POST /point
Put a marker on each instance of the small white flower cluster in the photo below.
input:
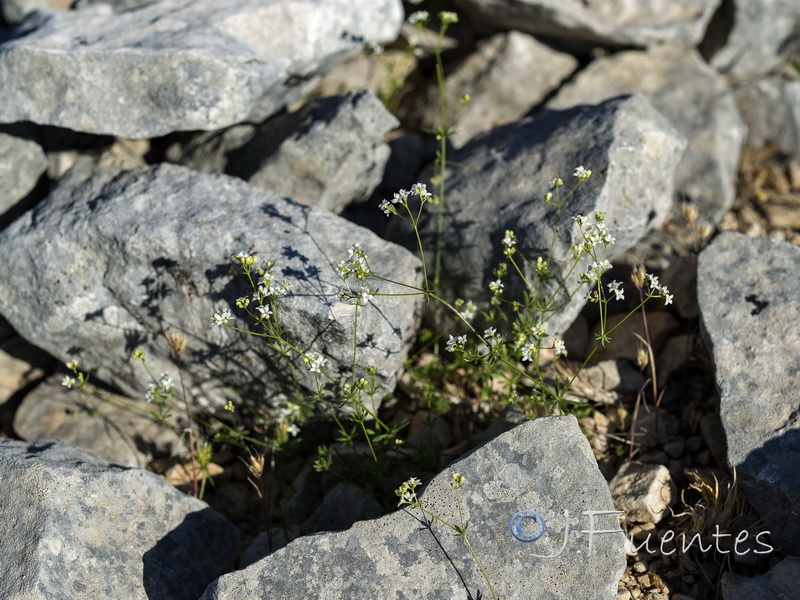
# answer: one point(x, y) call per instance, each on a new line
point(614, 288)
point(509, 241)
point(419, 18)
point(69, 382)
point(356, 266)
point(492, 338)
point(160, 389)
point(456, 343)
point(496, 287)
point(532, 341)
point(221, 317)
point(315, 362)
point(467, 309)
point(268, 287)
point(401, 197)
point(246, 260)
point(656, 290)
point(407, 492)
point(286, 415)
point(581, 173)
point(593, 234)
point(559, 347)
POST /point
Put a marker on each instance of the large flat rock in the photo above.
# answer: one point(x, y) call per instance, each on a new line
point(114, 258)
point(632, 152)
point(544, 465)
point(750, 308)
point(74, 526)
point(694, 98)
point(616, 22)
point(179, 65)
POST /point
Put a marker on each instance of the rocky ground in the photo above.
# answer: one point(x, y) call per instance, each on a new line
point(126, 198)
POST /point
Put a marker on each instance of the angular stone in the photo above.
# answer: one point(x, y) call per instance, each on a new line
point(606, 382)
point(619, 23)
point(779, 583)
point(22, 163)
point(76, 526)
point(491, 76)
point(328, 153)
point(695, 100)
point(632, 152)
point(643, 492)
point(749, 306)
point(179, 65)
point(124, 256)
point(750, 38)
point(771, 109)
point(544, 465)
point(121, 434)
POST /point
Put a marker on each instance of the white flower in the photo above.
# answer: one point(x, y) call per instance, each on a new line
point(314, 362)
point(386, 207)
point(539, 331)
point(582, 173)
point(400, 197)
point(667, 296)
point(293, 430)
point(366, 293)
point(421, 190)
point(600, 267)
point(419, 17)
point(580, 220)
point(69, 382)
point(560, 348)
point(165, 384)
point(221, 317)
point(614, 287)
point(528, 350)
point(456, 343)
point(496, 286)
point(510, 239)
point(264, 311)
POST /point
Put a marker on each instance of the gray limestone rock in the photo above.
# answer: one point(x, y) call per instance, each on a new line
point(779, 583)
point(694, 99)
point(22, 163)
point(75, 526)
point(749, 308)
point(544, 466)
point(180, 65)
point(122, 434)
point(506, 75)
point(615, 22)
point(329, 153)
point(115, 258)
point(750, 38)
point(771, 109)
point(632, 152)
